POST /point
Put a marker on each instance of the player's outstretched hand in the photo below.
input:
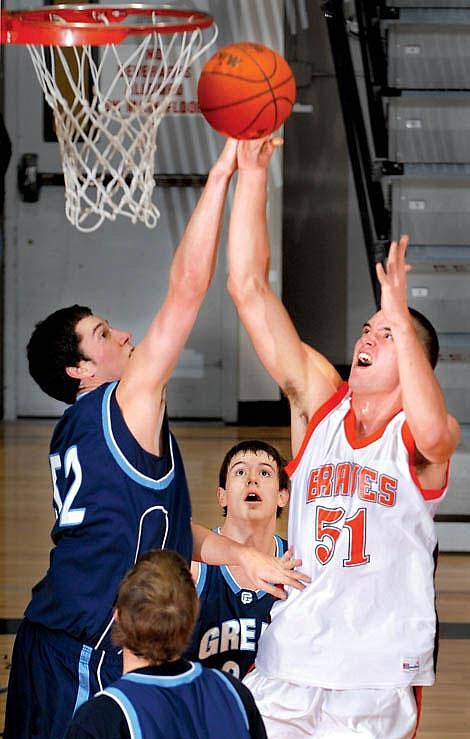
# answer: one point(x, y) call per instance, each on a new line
point(271, 573)
point(256, 153)
point(226, 163)
point(393, 281)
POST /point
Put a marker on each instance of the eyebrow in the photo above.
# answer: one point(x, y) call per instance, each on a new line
point(242, 461)
point(382, 328)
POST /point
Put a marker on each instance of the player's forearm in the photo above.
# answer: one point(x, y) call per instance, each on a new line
point(248, 244)
point(195, 259)
point(423, 400)
point(214, 549)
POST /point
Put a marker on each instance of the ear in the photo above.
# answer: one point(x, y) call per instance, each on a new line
point(116, 614)
point(283, 498)
point(82, 370)
point(222, 497)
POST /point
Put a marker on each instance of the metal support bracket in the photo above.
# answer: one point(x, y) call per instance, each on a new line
point(30, 180)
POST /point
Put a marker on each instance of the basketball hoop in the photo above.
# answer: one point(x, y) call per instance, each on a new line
point(107, 133)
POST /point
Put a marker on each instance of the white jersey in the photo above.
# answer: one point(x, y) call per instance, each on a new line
point(364, 530)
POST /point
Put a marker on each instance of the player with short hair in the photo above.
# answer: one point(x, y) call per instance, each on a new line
point(118, 481)
point(161, 694)
point(253, 490)
point(347, 656)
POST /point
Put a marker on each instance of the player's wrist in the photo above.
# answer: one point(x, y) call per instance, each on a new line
point(402, 325)
point(254, 176)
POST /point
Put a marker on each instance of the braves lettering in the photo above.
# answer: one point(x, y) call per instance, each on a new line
point(346, 478)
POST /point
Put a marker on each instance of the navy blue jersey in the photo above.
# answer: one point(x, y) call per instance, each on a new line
point(113, 501)
point(231, 619)
point(177, 700)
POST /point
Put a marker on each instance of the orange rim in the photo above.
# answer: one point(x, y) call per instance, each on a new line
point(95, 25)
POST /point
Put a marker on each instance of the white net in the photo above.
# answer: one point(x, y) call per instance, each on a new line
point(108, 102)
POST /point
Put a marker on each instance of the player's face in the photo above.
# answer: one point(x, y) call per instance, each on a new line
point(374, 366)
point(107, 350)
point(252, 488)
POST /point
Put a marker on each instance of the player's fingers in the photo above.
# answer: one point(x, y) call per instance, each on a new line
point(294, 578)
point(269, 146)
point(401, 252)
point(403, 244)
point(276, 591)
point(231, 144)
point(292, 563)
point(381, 274)
point(287, 556)
point(392, 258)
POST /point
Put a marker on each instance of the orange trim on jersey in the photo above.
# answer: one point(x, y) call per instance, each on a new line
point(318, 416)
point(410, 444)
point(359, 442)
point(418, 692)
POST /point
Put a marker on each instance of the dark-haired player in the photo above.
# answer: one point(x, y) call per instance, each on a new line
point(118, 479)
point(347, 656)
point(253, 490)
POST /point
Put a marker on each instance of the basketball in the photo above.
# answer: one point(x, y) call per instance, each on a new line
point(246, 91)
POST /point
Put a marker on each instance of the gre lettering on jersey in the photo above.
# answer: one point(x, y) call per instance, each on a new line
point(67, 515)
point(236, 634)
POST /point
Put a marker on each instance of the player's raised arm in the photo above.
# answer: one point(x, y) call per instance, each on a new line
point(304, 375)
point(140, 390)
point(435, 432)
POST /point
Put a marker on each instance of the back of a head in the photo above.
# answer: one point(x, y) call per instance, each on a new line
point(53, 346)
point(427, 335)
point(157, 607)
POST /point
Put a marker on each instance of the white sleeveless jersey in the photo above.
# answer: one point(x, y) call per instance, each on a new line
point(364, 530)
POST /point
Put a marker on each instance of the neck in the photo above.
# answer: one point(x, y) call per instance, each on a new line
point(372, 412)
point(257, 534)
point(85, 387)
point(132, 662)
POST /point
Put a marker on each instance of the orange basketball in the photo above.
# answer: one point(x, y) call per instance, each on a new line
point(246, 91)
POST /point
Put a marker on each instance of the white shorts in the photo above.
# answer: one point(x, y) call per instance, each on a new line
point(292, 711)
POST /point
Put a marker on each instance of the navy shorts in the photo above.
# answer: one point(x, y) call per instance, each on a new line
point(52, 674)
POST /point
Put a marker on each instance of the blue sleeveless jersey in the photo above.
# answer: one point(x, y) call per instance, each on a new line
point(231, 619)
point(191, 704)
point(113, 501)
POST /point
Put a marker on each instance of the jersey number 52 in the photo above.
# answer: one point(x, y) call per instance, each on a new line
point(67, 515)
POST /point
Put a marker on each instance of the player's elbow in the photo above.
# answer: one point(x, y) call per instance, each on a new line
point(243, 291)
point(234, 289)
point(440, 443)
point(190, 283)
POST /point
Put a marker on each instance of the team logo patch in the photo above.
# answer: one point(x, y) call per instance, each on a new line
point(410, 664)
point(246, 597)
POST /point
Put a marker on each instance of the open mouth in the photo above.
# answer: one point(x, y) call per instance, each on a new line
point(252, 498)
point(364, 359)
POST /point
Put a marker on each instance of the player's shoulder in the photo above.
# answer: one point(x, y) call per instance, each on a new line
point(281, 545)
point(99, 717)
point(79, 418)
